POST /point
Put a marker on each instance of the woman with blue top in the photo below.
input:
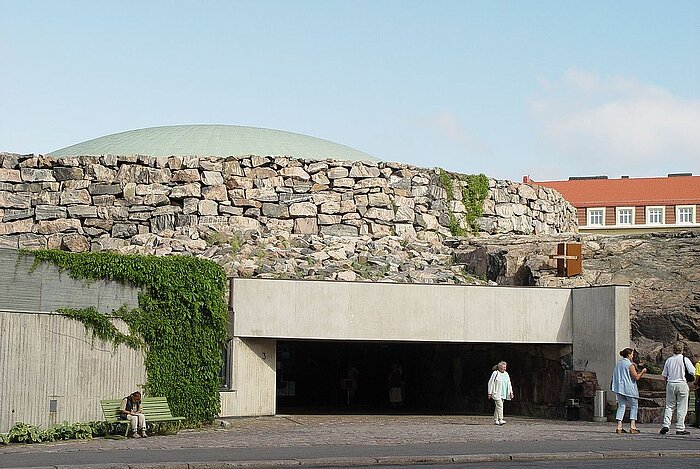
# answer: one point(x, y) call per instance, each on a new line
point(500, 389)
point(624, 385)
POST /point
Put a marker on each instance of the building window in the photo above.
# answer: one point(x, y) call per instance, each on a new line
point(596, 216)
point(685, 214)
point(655, 215)
point(625, 215)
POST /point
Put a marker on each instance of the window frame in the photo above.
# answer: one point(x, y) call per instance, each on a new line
point(693, 216)
point(589, 212)
point(648, 210)
point(617, 216)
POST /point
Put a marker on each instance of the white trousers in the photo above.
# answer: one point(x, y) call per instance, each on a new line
point(498, 413)
point(138, 422)
point(676, 399)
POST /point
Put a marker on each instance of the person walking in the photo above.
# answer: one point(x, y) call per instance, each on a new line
point(624, 385)
point(677, 390)
point(500, 389)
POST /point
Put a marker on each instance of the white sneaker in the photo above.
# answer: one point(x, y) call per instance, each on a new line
point(501, 422)
point(496, 422)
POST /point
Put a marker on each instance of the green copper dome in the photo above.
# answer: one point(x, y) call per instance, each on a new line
point(213, 140)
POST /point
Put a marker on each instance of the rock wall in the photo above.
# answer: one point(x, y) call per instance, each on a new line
point(110, 202)
point(661, 270)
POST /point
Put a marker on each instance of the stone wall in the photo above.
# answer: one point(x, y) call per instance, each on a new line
point(109, 202)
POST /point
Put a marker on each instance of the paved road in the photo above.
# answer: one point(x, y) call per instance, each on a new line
point(336, 441)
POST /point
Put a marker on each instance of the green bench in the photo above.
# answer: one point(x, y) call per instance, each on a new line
point(156, 409)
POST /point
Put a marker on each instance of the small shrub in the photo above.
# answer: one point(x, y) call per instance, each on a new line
point(82, 431)
point(100, 428)
point(24, 433)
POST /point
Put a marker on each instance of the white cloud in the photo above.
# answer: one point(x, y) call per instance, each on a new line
point(449, 127)
point(617, 124)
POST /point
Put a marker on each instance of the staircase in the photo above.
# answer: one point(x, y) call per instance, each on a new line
point(652, 400)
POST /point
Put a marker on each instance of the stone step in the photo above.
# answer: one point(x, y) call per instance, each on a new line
point(651, 403)
point(652, 394)
point(650, 415)
point(651, 383)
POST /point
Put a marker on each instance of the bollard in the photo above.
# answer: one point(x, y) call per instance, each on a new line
point(599, 407)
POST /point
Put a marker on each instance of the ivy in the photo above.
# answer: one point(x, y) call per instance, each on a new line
point(181, 321)
point(474, 193)
point(101, 327)
point(475, 188)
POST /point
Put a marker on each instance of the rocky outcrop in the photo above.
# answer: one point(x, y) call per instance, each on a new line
point(281, 217)
point(661, 270)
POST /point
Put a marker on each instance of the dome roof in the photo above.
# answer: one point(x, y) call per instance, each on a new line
point(213, 140)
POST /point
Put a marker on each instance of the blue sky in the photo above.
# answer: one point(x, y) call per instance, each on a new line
point(547, 88)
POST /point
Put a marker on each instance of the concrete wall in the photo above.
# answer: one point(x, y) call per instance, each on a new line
point(386, 311)
point(45, 357)
point(253, 387)
point(595, 320)
point(48, 289)
point(601, 324)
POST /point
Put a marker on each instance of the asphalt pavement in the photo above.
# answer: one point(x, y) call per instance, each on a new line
point(363, 441)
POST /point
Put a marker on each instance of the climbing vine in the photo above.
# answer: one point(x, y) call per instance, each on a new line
point(101, 327)
point(180, 322)
point(474, 192)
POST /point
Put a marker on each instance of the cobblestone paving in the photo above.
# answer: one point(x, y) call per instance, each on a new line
point(308, 430)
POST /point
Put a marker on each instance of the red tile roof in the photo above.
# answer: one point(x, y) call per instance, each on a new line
point(676, 190)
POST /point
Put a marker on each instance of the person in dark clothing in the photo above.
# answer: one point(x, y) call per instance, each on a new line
point(131, 410)
point(396, 385)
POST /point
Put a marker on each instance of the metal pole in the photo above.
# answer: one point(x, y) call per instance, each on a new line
point(599, 407)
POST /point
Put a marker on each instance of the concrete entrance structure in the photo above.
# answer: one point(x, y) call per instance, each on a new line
point(55, 371)
point(595, 321)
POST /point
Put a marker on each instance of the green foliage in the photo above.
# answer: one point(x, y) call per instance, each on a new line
point(24, 433)
point(101, 327)
point(474, 192)
point(455, 227)
point(100, 427)
point(165, 428)
point(181, 321)
point(446, 183)
point(218, 238)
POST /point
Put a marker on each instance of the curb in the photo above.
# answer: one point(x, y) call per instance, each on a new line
point(401, 460)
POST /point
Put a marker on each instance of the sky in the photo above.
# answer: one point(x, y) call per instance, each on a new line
point(549, 89)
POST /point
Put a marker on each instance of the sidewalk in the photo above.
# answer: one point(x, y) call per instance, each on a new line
point(354, 440)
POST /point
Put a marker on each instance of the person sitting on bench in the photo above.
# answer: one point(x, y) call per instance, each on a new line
point(131, 410)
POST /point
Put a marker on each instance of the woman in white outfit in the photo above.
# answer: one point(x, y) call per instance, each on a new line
point(500, 389)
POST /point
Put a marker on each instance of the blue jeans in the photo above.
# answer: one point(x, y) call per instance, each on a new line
point(623, 402)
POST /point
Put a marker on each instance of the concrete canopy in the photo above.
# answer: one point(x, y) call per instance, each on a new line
point(213, 140)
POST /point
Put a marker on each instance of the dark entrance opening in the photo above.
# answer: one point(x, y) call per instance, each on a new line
point(353, 376)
